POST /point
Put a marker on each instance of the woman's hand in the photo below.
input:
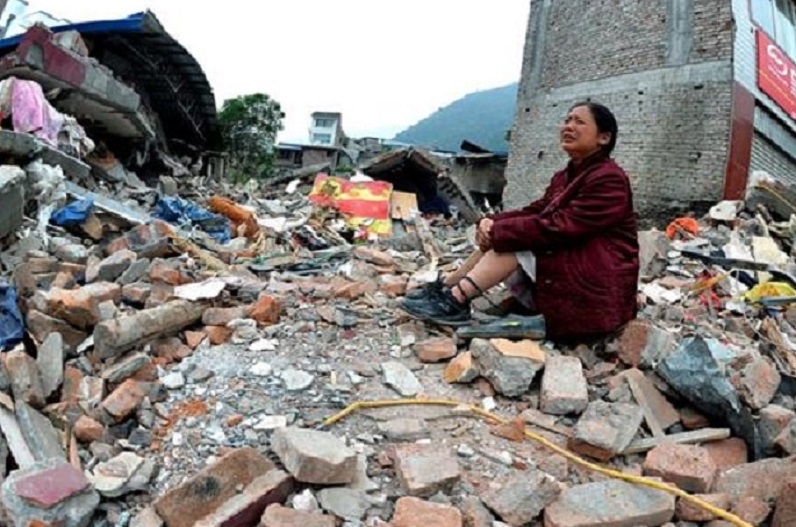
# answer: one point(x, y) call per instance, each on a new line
point(483, 235)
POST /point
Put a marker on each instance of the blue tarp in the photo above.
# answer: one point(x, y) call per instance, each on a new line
point(73, 214)
point(179, 211)
point(12, 325)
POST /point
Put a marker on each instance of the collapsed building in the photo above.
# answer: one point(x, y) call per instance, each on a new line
point(117, 101)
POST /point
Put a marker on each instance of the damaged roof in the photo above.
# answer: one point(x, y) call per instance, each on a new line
point(140, 52)
point(404, 158)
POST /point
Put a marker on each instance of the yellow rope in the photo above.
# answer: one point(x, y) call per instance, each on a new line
point(702, 504)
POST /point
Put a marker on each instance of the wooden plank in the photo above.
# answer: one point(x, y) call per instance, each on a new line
point(685, 438)
point(649, 414)
point(16, 441)
point(402, 204)
point(665, 414)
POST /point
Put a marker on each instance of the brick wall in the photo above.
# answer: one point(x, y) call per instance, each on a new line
point(665, 70)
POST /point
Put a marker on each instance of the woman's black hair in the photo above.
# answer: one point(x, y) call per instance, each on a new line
point(605, 120)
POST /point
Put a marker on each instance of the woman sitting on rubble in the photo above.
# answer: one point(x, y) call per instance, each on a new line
point(571, 256)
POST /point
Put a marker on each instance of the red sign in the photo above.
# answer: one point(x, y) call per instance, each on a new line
point(776, 74)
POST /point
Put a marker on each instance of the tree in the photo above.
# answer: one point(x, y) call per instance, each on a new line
point(249, 125)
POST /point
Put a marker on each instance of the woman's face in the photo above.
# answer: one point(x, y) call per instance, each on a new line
point(579, 135)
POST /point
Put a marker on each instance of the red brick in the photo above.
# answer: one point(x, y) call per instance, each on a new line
point(221, 316)
point(204, 493)
point(52, 486)
point(80, 307)
point(124, 399)
point(693, 420)
point(267, 310)
point(194, 338)
point(279, 516)
point(689, 467)
point(413, 512)
point(137, 293)
point(168, 272)
point(436, 350)
point(727, 453)
point(217, 335)
point(392, 285)
point(633, 341)
point(759, 382)
point(424, 470)
point(690, 512)
point(785, 511)
point(41, 325)
point(246, 509)
point(144, 238)
point(171, 349)
point(763, 479)
point(752, 510)
point(64, 281)
point(87, 430)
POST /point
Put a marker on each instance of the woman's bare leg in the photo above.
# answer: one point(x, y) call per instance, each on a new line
point(490, 270)
point(453, 278)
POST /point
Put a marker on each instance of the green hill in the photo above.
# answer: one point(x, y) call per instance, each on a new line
point(482, 117)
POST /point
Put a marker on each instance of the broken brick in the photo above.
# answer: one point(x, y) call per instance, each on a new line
point(424, 470)
point(785, 511)
point(201, 495)
point(689, 512)
point(279, 516)
point(461, 369)
point(689, 467)
point(194, 338)
point(80, 307)
point(217, 335)
point(266, 311)
point(752, 510)
point(414, 512)
point(51, 486)
point(221, 316)
point(87, 430)
point(564, 389)
point(124, 399)
point(727, 453)
point(436, 350)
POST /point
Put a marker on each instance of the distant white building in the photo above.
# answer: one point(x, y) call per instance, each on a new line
point(15, 18)
point(326, 129)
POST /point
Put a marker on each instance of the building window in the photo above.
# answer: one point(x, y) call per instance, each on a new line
point(322, 139)
point(324, 123)
point(778, 19)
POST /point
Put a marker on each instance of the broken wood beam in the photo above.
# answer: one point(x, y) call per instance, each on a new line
point(649, 414)
point(114, 337)
point(684, 438)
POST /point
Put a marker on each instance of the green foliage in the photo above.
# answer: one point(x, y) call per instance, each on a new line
point(481, 117)
point(249, 125)
point(344, 169)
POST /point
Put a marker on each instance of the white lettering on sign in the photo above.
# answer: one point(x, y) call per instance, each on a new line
point(780, 66)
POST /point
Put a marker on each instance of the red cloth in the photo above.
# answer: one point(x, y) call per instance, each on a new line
point(584, 234)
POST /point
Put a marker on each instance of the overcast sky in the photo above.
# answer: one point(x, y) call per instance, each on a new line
point(384, 65)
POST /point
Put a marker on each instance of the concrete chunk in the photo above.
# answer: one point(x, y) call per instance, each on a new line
point(564, 388)
point(314, 457)
point(424, 470)
point(610, 504)
point(510, 369)
point(49, 493)
point(606, 429)
point(518, 499)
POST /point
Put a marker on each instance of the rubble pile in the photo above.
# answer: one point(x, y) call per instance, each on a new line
point(171, 353)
